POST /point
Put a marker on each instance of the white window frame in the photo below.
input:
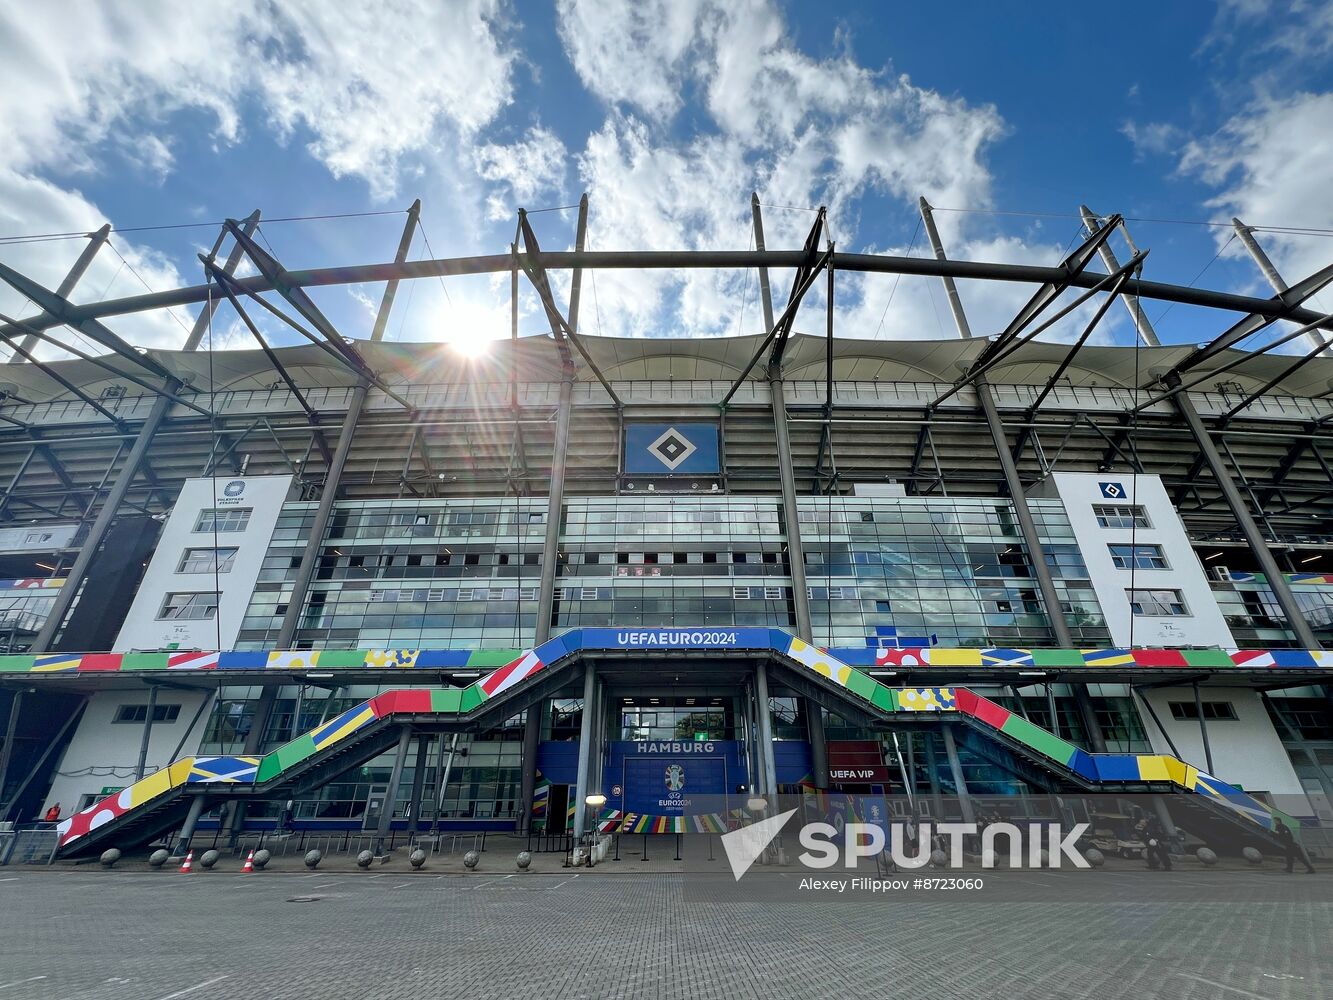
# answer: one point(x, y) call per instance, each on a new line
point(1135, 512)
point(172, 606)
point(215, 566)
point(1155, 551)
point(222, 520)
point(1139, 608)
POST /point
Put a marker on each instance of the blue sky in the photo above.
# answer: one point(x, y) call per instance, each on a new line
point(668, 115)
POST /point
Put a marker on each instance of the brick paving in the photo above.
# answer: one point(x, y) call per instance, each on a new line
point(86, 934)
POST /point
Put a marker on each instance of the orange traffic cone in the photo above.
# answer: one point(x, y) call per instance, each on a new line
point(249, 865)
point(188, 864)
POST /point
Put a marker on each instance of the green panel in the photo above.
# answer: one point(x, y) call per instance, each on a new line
point(883, 698)
point(15, 664)
point(342, 658)
point(861, 684)
point(285, 756)
point(144, 661)
point(493, 657)
point(1057, 658)
point(446, 700)
point(1018, 728)
point(1207, 658)
point(471, 696)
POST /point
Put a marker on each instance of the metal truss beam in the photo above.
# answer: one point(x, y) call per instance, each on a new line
point(96, 241)
point(60, 307)
point(532, 265)
point(685, 260)
point(811, 251)
point(55, 376)
point(1246, 236)
point(280, 282)
point(1136, 314)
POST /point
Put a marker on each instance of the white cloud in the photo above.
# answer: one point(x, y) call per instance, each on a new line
point(798, 130)
point(521, 171)
point(1273, 166)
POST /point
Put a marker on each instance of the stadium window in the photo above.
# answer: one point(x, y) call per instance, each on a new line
point(1137, 556)
point(207, 561)
point(1213, 711)
point(740, 593)
point(188, 607)
point(1157, 603)
point(220, 520)
point(772, 593)
point(139, 713)
point(1121, 516)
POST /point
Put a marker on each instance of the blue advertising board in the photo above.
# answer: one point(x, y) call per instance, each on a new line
point(672, 777)
point(671, 449)
point(682, 638)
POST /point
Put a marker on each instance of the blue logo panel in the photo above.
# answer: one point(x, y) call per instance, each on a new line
point(678, 638)
point(1113, 491)
point(671, 449)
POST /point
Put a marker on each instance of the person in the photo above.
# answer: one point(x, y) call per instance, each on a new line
point(1154, 839)
point(1291, 850)
point(53, 814)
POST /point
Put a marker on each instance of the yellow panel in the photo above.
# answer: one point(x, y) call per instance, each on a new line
point(1153, 768)
point(955, 657)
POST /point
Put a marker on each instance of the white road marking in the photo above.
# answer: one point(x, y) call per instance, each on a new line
point(12, 878)
point(196, 986)
point(20, 982)
point(1215, 985)
point(323, 885)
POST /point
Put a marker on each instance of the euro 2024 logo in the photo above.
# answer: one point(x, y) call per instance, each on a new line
point(675, 777)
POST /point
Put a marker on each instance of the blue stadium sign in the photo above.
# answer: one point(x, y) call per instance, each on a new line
point(676, 638)
point(671, 449)
point(1113, 491)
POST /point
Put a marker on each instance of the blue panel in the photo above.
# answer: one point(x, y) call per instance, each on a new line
point(671, 449)
point(443, 657)
point(550, 652)
point(1082, 764)
point(792, 760)
point(558, 761)
point(673, 786)
point(676, 638)
point(255, 660)
point(1293, 658)
point(1117, 767)
point(855, 657)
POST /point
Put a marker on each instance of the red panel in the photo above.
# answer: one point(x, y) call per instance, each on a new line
point(402, 702)
point(101, 661)
point(990, 713)
point(1159, 658)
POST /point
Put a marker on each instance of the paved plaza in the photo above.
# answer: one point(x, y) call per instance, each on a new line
point(86, 934)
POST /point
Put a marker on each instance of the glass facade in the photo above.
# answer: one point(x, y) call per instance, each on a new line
point(464, 573)
point(939, 571)
point(1256, 619)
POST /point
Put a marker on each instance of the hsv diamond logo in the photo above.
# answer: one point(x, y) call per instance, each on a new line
point(1113, 491)
point(672, 448)
point(744, 846)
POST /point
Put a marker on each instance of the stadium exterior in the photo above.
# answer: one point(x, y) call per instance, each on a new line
point(398, 586)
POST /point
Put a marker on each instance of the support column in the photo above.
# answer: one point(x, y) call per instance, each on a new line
point(766, 735)
point(532, 732)
point(1253, 536)
point(814, 715)
point(187, 828)
point(418, 784)
point(786, 474)
point(554, 508)
point(254, 744)
point(95, 243)
point(305, 572)
point(560, 449)
point(7, 751)
point(1314, 338)
point(147, 733)
point(1203, 729)
point(125, 478)
point(1136, 313)
point(959, 782)
point(442, 780)
point(585, 752)
point(1027, 526)
point(391, 797)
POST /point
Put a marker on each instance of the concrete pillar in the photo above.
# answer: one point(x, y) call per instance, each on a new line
point(147, 732)
point(814, 716)
point(187, 829)
point(554, 508)
point(959, 782)
point(766, 734)
point(418, 783)
point(532, 731)
point(7, 751)
point(581, 787)
point(391, 798)
point(1253, 536)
